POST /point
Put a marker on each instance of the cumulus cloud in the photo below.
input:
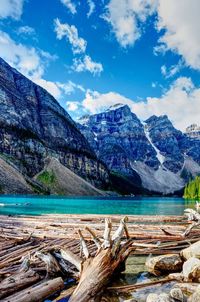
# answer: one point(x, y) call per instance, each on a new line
point(180, 22)
point(58, 89)
point(87, 64)
point(71, 33)
point(95, 102)
point(72, 105)
point(181, 103)
point(70, 5)
point(126, 18)
point(11, 8)
point(32, 63)
point(91, 8)
point(177, 22)
point(26, 59)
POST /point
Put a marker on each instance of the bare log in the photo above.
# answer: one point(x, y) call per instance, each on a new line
point(52, 265)
point(84, 250)
point(37, 293)
point(72, 258)
point(194, 217)
point(97, 271)
point(17, 282)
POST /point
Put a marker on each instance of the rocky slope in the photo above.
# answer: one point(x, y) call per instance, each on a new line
point(151, 154)
point(11, 180)
point(62, 181)
point(33, 126)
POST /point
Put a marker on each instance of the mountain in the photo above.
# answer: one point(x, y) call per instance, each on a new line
point(34, 126)
point(150, 155)
point(54, 176)
point(193, 131)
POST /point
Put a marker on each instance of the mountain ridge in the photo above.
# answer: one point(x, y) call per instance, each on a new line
point(34, 125)
point(163, 157)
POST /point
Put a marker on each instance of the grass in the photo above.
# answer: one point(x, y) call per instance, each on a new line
point(47, 178)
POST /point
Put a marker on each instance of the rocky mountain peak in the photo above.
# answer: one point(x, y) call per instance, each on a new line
point(34, 125)
point(193, 131)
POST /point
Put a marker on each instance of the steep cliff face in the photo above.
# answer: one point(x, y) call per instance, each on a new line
point(33, 125)
point(152, 153)
point(118, 137)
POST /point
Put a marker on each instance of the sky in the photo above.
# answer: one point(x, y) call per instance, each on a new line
point(91, 54)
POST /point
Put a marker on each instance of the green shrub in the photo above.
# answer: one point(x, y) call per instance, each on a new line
point(192, 189)
point(47, 177)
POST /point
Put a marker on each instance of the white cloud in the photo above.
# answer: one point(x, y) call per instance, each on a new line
point(72, 106)
point(91, 8)
point(71, 33)
point(26, 59)
point(51, 87)
point(126, 17)
point(26, 30)
point(96, 102)
point(180, 22)
point(32, 63)
point(87, 64)
point(70, 5)
point(11, 8)
point(181, 103)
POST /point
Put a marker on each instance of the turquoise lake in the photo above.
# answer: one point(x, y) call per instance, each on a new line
point(29, 205)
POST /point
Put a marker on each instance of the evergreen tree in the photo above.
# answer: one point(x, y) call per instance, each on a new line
point(192, 189)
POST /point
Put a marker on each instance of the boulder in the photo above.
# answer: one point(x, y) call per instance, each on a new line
point(164, 264)
point(177, 294)
point(191, 270)
point(191, 251)
point(195, 296)
point(152, 298)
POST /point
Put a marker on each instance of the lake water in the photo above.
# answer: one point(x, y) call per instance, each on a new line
point(31, 205)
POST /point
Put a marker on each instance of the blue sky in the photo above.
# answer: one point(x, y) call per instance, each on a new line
point(91, 54)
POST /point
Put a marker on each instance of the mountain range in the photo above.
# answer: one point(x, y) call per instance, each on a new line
point(47, 152)
point(152, 155)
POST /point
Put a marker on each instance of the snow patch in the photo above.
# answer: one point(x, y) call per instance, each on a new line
point(159, 156)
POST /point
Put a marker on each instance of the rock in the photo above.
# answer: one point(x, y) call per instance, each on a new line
point(191, 270)
point(176, 276)
point(152, 298)
point(57, 184)
point(192, 251)
point(176, 293)
point(195, 297)
point(34, 126)
point(164, 264)
point(164, 298)
point(152, 155)
point(188, 288)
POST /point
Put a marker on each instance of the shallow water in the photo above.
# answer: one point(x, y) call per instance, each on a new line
point(37, 205)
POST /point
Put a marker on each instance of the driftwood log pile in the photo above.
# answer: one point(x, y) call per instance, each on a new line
point(39, 254)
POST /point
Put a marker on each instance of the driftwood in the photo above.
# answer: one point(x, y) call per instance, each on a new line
point(37, 293)
point(50, 248)
point(194, 217)
point(97, 271)
point(17, 282)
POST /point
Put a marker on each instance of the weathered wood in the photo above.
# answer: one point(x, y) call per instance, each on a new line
point(38, 292)
point(56, 234)
point(98, 270)
point(17, 282)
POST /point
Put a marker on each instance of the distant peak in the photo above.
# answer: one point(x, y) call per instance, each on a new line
point(116, 106)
